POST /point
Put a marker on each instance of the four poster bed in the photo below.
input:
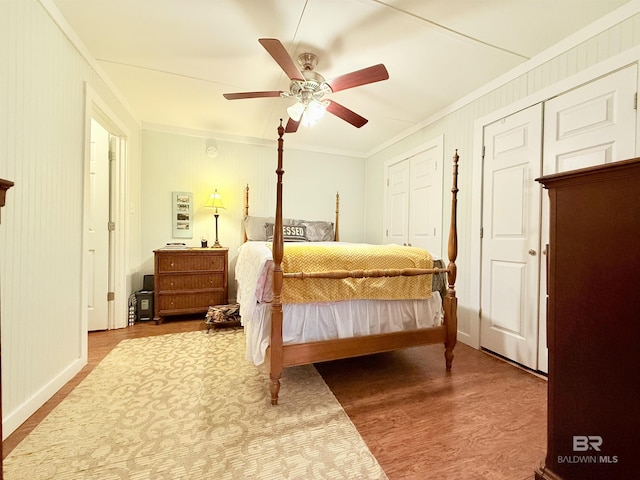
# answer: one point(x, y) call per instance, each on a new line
point(317, 299)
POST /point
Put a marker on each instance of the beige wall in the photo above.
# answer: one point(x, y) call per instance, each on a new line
point(42, 131)
point(177, 162)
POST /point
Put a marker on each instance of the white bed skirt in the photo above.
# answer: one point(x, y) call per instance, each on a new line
point(311, 322)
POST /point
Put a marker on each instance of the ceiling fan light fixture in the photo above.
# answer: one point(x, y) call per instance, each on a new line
point(307, 113)
point(295, 111)
point(313, 112)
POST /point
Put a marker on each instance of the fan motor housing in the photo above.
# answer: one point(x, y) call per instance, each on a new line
point(314, 85)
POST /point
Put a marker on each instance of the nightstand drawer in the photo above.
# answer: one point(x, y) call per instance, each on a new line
point(190, 282)
point(190, 263)
point(189, 302)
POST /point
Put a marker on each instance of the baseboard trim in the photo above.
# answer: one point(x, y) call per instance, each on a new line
point(21, 414)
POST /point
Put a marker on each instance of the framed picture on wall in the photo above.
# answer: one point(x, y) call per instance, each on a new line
point(182, 212)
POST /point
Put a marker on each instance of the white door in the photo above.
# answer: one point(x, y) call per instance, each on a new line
point(397, 200)
point(510, 236)
point(98, 231)
point(591, 125)
point(114, 160)
point(425, 202)
point(413, 201)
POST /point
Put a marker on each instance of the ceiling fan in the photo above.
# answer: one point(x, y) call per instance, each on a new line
point(309, 88)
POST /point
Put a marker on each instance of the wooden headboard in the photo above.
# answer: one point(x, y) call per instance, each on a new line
point(336, 236)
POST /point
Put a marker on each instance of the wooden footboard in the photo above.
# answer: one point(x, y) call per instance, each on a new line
point(322, 351)
point(280, 356)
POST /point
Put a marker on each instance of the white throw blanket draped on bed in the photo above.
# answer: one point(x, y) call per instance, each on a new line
point(318, 321)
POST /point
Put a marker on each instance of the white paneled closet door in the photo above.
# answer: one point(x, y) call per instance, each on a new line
point(397, 203)
point(425, 204)
point(510, 236)
point(591, 125)
point(413, 200)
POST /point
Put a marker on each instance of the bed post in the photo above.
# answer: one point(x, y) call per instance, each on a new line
point(246, 208)
point(336, 236)
point(450, 301)
point(275, 357)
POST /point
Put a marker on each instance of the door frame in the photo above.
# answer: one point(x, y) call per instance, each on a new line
point(628, 57)
point(97, 108)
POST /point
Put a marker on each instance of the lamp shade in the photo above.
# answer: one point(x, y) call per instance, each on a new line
point(308, 112)
point(295, 111)
point(214, 201)
point(312, 113)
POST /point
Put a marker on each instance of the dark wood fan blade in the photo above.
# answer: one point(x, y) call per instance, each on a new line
point(239, 96)
point(367, 75)
point(292, 126)
point(281, 56)
point(345, 114)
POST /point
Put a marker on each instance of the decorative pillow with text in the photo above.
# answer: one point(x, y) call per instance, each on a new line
point(291, 233)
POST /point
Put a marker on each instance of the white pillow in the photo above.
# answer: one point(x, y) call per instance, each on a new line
point(318, 231)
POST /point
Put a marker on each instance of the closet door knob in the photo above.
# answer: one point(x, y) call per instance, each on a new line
point(532, 252)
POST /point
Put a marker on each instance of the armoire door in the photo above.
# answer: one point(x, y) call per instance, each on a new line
point(510, 236)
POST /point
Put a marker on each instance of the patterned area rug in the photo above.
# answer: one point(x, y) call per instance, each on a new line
point(189, 406)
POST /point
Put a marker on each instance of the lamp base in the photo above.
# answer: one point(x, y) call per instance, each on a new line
point(216, 244)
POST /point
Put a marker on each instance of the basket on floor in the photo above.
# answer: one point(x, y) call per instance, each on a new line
point(223, 316)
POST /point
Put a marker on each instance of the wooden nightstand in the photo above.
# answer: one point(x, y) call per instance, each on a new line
point(188, 281)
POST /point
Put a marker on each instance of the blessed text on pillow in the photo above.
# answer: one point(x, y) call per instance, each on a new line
point(290, 233)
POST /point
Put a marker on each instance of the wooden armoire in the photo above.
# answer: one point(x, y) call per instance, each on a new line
point(593, 331)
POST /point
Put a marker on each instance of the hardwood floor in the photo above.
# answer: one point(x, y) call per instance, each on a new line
point(484, 420)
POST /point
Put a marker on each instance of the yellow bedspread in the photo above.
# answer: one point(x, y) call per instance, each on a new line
point(309, 257)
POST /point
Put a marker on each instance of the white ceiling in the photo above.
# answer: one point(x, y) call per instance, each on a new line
point(173, 59)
